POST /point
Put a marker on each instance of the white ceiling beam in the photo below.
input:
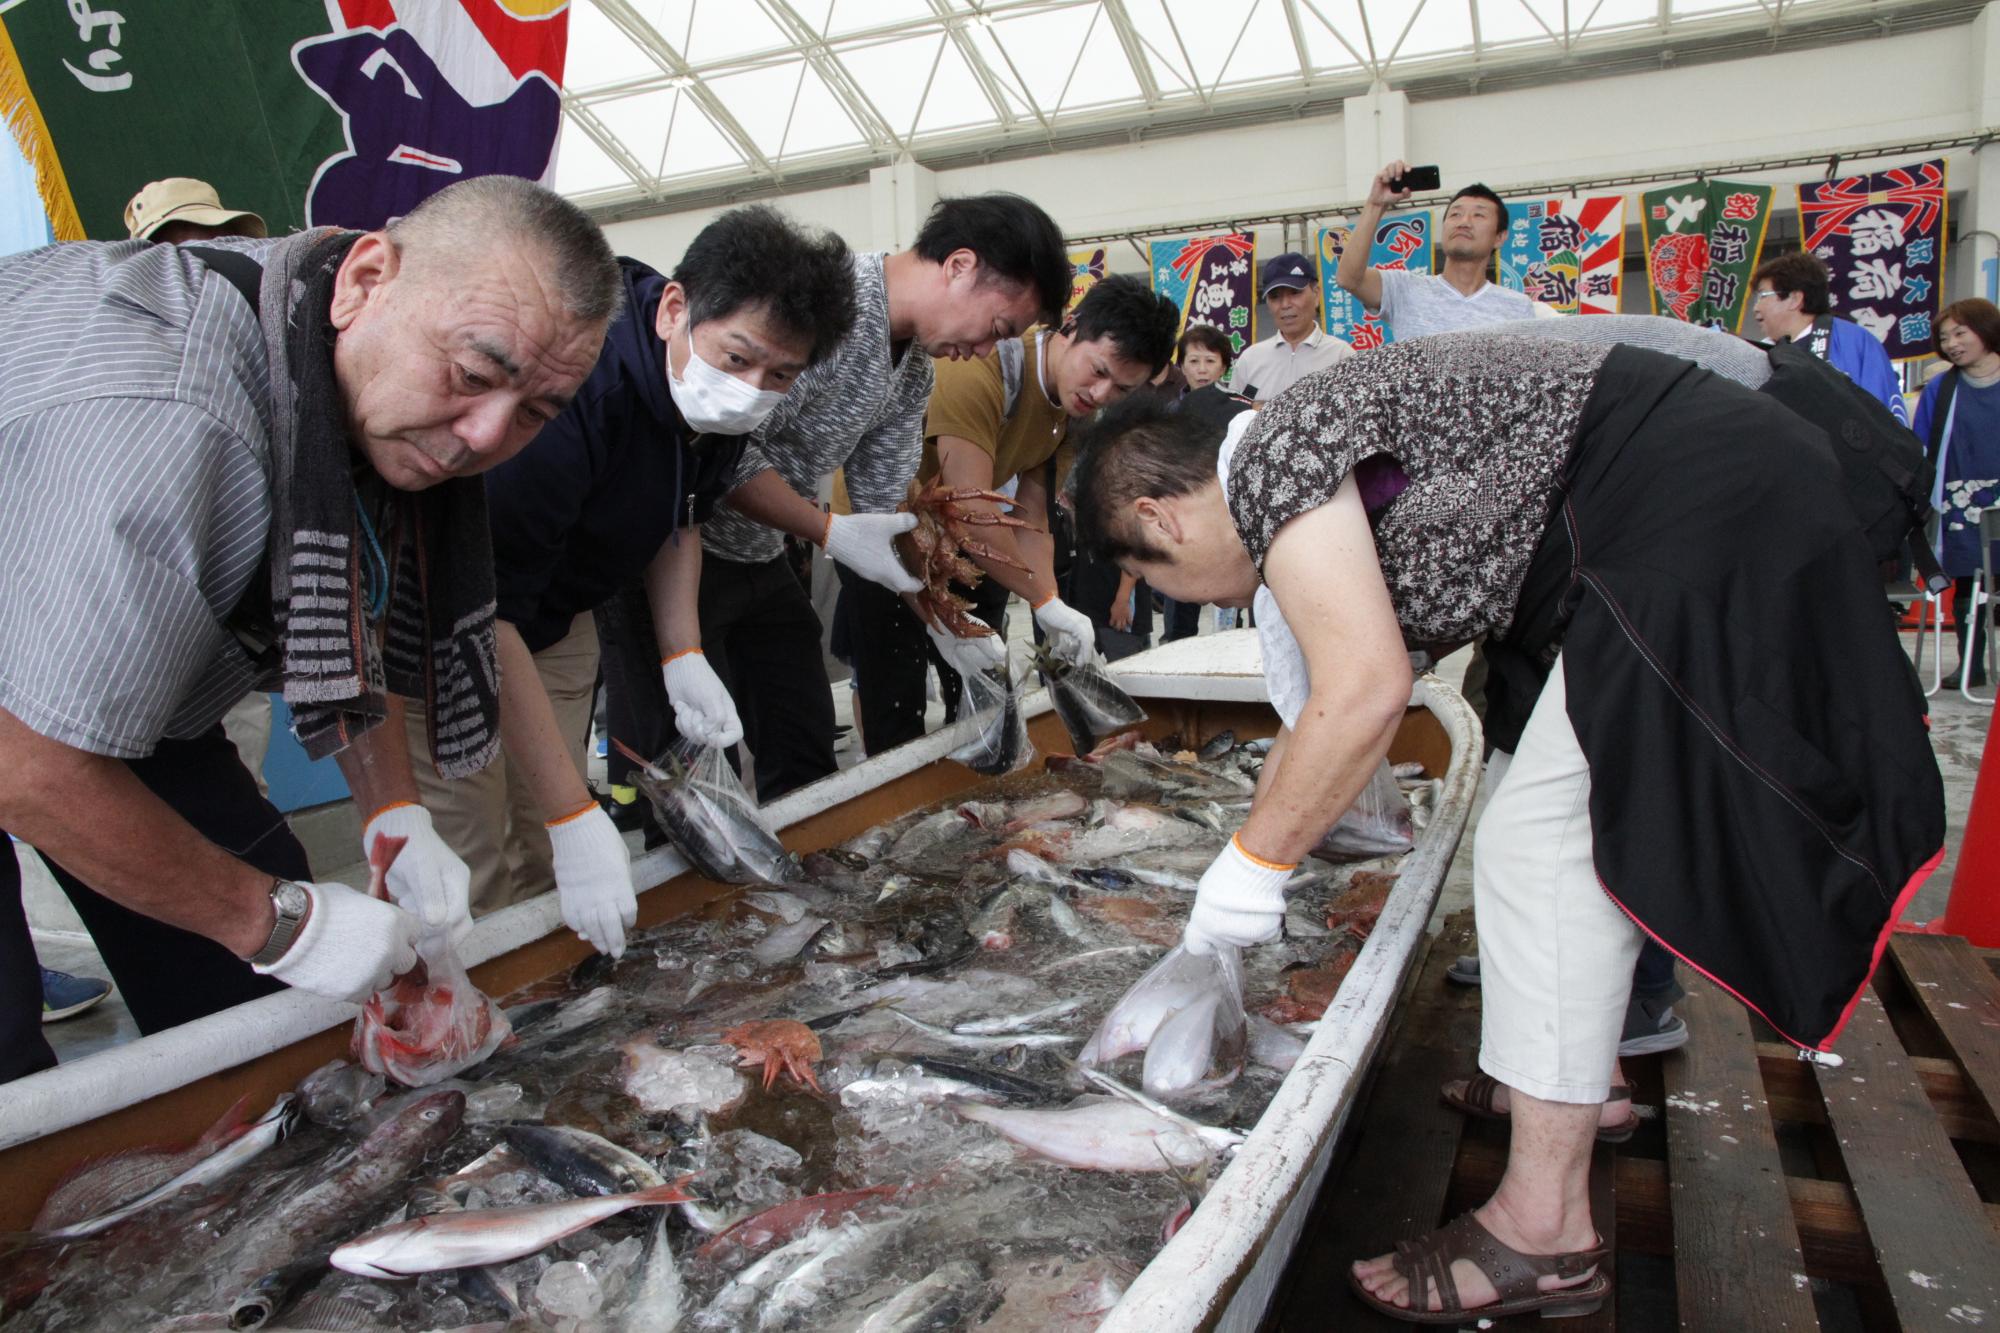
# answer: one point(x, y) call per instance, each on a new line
point(668, 57)
point(1187, 61)
point(1299, 47)
point(1134, 47)
point(968, 51)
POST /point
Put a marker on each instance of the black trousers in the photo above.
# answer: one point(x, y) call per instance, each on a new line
point(166, 975)
point(1183, 620)
point(762, 636)
point(891, 651)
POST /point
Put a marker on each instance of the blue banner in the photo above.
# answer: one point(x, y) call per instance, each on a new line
point(1402, 241)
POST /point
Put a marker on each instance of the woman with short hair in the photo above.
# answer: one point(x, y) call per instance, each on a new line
point(1727, 751)
point(1958, 419)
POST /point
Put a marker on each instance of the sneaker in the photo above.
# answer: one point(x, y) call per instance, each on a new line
point(65, 996)
point(1651, 1026)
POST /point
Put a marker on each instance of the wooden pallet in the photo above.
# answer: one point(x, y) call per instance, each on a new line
point(1762, 1192)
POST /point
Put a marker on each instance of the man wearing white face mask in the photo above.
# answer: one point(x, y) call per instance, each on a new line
point(612, 494)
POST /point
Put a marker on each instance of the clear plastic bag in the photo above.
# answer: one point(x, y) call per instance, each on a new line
point(710, 818)
point(1090, 703)
point(429, 1023)
point(989, 713)
point(1187, 1014)
point(1377, 824)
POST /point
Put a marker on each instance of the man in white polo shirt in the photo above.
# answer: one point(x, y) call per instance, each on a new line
point(1300, 346)
point(1461, 297)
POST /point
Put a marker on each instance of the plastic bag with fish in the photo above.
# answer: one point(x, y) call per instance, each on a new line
point(430, 1022)
point(1377, 824)
point(990, 717)
point(1090, 704)
point(1187, 1014)
point(709, 816)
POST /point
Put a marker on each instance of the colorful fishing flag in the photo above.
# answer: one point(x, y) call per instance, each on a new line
point(1703, 241)
point(1402, 241)
point(1086, 271)
point(1210, 279)
point(345, 113)
point(1566, 253)
point(1882, 239)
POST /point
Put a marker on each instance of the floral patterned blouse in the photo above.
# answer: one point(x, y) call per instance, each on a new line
point(1479, 425)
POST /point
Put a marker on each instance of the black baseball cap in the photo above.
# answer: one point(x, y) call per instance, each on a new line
point(1290, 269)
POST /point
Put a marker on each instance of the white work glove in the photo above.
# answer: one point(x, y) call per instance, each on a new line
point(427, 878)
point(1240, 901)
point(866, 544)
point(594, 879)
point(351, 946)
point(1071, 635)
point(703, 710)
point(966, 656)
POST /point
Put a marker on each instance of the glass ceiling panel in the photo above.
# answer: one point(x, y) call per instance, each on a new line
point(1041, 48)
point(641, 122)
point(600, 54)
point(1103, 75)
point(955, 99)
point(893, 75)
point(819, 121)
point(1264, 50)
point(1162, 51)
point(1207, 31)
point(695, 145)
point(672, 19)
point(1620, 14)
point(862, 15)
point(1331, 27)
point(726, 28)
point(1442, 26)
point(1503, 21)
point(1711, 6)
point(581, 166)
point(761, 101)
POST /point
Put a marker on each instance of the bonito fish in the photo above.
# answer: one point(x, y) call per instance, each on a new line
point(486, 1235)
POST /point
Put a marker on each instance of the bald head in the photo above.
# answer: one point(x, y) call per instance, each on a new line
point(468, 217)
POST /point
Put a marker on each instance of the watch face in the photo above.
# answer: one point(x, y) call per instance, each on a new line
point(288, 898)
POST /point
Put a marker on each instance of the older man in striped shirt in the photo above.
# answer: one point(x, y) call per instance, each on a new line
point(242, 466)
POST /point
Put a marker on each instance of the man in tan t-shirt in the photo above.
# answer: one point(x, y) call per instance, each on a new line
point(993, 421)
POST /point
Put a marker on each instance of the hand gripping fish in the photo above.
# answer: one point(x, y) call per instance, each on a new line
point(431, 1022)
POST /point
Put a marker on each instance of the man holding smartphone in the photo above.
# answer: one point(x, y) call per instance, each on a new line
point(1461, 297)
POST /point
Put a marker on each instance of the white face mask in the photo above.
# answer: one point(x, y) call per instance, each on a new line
point(717, 403)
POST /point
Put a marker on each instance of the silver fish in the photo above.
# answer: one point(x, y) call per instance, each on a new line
point(749, 1288)
point(487, 1235)
point(1018, 1022)
point(946, 1297)
point(806, 1286)
point(1101, 1135)
point(655, 1293)
point(270, 1127)
point(1068, 922)
point(950, 1038)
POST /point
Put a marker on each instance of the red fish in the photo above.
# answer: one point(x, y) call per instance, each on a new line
point(93, 1188)
point(430, 1022)
point(785, 1221)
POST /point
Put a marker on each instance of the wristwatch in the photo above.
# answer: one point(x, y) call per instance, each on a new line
point(292, 904)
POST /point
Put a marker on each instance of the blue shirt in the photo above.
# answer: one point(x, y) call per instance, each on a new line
point(582, 511)
point(1859, 355)
point(1968, 470)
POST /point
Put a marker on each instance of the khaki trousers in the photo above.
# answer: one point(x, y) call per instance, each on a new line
point(491, 819)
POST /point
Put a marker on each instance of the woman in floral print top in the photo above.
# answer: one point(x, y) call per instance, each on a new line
point(1725, 747)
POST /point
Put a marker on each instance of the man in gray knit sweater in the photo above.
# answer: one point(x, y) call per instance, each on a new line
point(983, 268)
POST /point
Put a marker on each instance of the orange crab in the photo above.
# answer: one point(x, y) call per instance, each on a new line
point(780, 1045)
point(937, 551)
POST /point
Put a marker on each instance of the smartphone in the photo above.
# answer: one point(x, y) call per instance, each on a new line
point(1417, 178)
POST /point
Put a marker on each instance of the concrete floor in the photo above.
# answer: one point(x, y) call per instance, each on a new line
point(1958, 735)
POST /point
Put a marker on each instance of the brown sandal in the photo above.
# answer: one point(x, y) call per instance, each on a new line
point(1477, 1100)
point(1425, 1264)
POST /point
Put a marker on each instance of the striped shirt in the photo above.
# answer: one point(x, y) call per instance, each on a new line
point(856, 410)
point(135, 442)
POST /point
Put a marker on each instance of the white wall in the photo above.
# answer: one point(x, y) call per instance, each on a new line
point(1834, 99)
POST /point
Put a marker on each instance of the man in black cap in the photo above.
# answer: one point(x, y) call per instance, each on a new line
point(1300, 346)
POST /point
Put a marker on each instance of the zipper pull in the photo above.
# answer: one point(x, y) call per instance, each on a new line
point(1824, 1059)
point(689, 521)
